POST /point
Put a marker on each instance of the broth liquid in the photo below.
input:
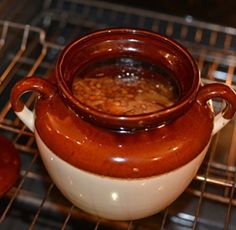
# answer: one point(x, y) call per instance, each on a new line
point(125, 86)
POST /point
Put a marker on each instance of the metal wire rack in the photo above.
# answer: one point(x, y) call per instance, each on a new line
point(34, 202)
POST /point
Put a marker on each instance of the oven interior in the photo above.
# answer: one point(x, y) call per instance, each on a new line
point(29, 45)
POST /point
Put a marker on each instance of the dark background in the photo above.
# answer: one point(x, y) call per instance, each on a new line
point(221, 12)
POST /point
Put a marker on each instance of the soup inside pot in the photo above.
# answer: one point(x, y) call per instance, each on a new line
point(125, 86)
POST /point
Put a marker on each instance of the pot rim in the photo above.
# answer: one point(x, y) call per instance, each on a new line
point(127, 123)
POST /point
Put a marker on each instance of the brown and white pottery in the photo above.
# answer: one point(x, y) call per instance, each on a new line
point(9, 165)
point(123, 167)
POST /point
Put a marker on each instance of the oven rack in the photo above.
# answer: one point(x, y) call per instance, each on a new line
point(34, 202)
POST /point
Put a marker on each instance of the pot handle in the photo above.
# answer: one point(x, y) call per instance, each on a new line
point(43, 87)
point(219, 90)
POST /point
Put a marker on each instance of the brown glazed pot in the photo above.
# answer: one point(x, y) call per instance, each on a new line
point(99, 160)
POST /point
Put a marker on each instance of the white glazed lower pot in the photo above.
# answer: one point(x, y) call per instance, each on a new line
point(114, 198)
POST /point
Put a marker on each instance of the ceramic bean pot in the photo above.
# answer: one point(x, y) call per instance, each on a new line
point(123, 167)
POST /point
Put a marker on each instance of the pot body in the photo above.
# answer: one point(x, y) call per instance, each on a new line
point(120, 176)
point(118, 198)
